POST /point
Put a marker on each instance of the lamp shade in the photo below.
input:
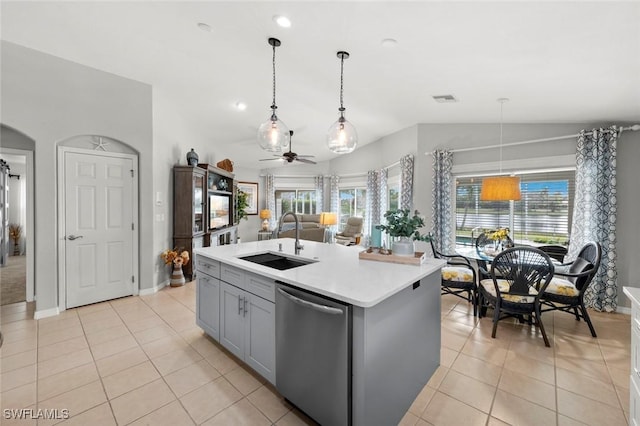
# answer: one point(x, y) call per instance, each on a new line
point(265, 214)
point(327, 219)
point(500, 188)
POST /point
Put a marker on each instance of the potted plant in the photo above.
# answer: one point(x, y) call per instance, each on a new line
point(404, 229)
point(242, 203)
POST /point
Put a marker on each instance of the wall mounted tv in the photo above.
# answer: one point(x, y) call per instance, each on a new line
point(219, 211)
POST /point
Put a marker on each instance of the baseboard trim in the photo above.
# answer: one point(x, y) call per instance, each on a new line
point(623, 310)
point(152, 290)
point(45, 313)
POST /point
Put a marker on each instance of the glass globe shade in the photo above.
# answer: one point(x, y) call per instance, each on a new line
point(342, 137)
point(273, 135)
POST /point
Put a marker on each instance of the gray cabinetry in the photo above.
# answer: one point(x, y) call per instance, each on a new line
point(208, 296)
point(247, 319)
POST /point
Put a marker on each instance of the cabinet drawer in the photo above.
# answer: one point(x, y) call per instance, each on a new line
point(260, 286)
point(635, 351)
point(232, 275)
point(208, 266)
point(635, 317)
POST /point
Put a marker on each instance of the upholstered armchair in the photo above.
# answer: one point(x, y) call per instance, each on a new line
point(351, 233)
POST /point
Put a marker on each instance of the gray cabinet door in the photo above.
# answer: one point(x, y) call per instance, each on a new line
point(232, 308)
point(260, 337)
point(208, 304)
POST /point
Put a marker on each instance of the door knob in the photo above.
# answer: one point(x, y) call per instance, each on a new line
point(73, 237)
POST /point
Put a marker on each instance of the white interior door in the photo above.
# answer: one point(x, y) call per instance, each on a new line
point(98, 240)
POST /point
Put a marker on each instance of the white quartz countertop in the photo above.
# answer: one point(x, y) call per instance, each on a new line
point(337, 273)
point(633, 293)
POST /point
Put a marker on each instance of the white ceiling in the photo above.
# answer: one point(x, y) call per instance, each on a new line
point(558, 62)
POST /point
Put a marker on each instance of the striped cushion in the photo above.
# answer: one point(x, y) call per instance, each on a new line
point(562, 287)
point(454, 273)
point(504, 286)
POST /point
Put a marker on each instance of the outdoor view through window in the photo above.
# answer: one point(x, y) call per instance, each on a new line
point(543, 215)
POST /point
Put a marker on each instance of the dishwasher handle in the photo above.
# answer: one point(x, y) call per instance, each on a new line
point(311, 305)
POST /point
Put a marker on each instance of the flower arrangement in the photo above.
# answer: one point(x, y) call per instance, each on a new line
point(15, 231)
point(175, 256)
point(400, 224)
point(500, 234)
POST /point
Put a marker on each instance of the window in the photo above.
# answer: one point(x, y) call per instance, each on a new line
point(296, 200)
point(393, 195)
point(352, 203)
point(543, 215)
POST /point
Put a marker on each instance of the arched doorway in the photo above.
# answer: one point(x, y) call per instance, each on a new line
point(18, 278)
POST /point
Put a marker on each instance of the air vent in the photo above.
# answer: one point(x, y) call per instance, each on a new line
point(445, 99)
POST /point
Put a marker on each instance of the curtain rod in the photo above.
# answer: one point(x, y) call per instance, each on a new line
point(633, 128)
point(365, 173)
point(346, 175)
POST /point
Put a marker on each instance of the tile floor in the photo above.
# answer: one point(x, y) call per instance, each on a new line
point(142, 361)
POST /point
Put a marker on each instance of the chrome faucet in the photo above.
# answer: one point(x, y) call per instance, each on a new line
point(297, 246)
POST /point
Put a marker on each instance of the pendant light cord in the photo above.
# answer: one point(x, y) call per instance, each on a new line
point(501, 105)
point(341, 84)
point(273, 63)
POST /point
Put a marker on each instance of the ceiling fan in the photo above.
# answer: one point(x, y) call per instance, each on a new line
point(290, 156)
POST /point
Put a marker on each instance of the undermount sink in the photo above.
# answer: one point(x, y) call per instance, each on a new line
point(276, 261)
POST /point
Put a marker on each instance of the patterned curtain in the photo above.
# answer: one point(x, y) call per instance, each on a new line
point(441, 194)
point(270, 191)
point(383, 187)
point(319, 185)
point(335, 194)
point(372, 208)
point(406, 182)
point(594, 212)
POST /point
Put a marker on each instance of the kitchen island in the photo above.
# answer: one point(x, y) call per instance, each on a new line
point(393, 317)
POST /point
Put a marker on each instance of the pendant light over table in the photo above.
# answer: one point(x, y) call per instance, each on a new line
point(273, 135)
point(500, 188)
point(342, 137)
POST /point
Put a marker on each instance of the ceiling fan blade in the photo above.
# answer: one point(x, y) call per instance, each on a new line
point(271, 159)
point(306, 156)
point(304, 160)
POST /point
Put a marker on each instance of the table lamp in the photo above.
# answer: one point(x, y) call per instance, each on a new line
point(265, 215)
point(327, 220)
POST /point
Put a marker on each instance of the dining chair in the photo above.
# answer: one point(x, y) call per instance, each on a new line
point(555, 251)
point(519, 276)
point(483, 240)
point(457, 277)
point(566, 290)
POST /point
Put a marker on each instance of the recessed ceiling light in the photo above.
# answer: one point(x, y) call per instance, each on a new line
point(241, 106)
point(204, 27)
point(389, 42)
point(283, 21)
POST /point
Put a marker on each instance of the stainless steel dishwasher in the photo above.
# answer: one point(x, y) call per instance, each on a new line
point(313, 354)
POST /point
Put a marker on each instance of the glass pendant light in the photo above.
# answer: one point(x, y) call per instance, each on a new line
point(273, 135)
point(500, 188)
point(342, 137)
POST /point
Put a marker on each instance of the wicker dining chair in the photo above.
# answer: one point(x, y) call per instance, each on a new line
point(555, 251)
point(519, 277)
point(566, 291)
point(458, 277)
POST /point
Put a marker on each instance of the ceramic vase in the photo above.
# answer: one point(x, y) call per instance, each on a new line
point(192, 158)
point(403, 247)
point(177, 277)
